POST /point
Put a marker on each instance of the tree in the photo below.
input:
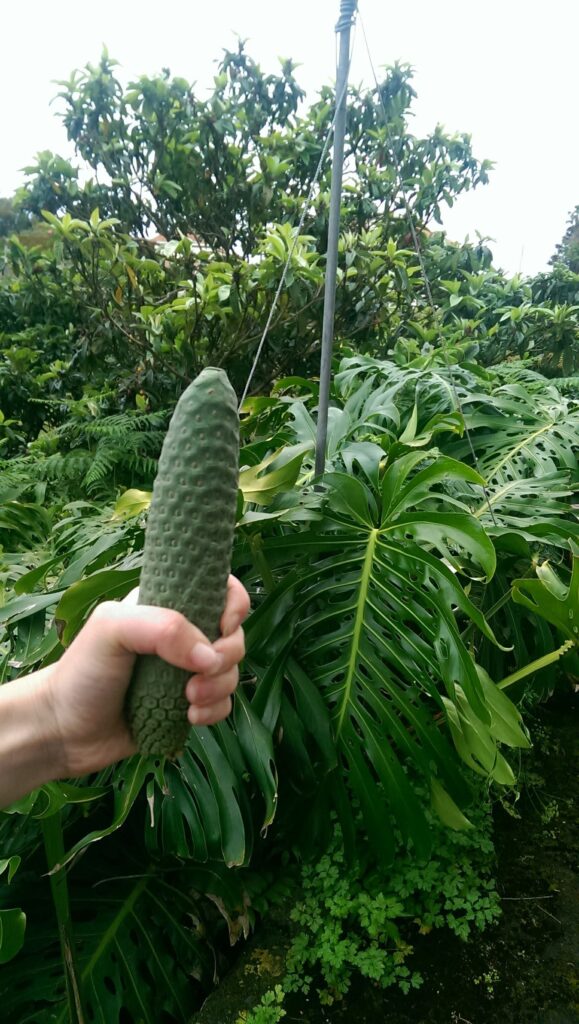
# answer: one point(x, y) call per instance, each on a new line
point(567, 251)
point(8, 217)
point(224, 181)
point(225, 167)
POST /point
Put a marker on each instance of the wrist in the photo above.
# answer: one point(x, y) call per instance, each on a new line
point(31, 750)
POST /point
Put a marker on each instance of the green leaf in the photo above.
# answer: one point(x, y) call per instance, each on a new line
point(12, 864)
point(76, 602)
point(132, 503)
point(51, 219)
point(50, 798)
point(312, 712)
point(29, 635)
point(89, 555)
point(278, 472)
point(128, 781)
point(25, 523)
point(506, 722)
point(399, 492)
point(522, 435)
point(531, 506)
point(18, 608)
point(351, 498)
point(550, 598)
point(29, 580)
point(446, 809)
point(204, 807)
point(12, 928)
point(409, 432)
point(44, 653)
point(475, 742)
point(257, 746)
point(366, 455)
point(368, 613)
point(449, 533)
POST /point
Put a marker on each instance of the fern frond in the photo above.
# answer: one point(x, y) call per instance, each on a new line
point(117, 426)
point(93, 456)
point(103, 463)
point(518, 372)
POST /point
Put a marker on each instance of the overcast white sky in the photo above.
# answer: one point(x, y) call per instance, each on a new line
point(504, 71)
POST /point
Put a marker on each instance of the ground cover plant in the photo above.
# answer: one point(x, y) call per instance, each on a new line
point(406, 607)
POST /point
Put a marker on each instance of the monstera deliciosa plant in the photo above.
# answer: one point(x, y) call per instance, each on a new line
point(389, 598)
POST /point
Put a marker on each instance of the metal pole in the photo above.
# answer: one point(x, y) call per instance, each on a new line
point(347, 11)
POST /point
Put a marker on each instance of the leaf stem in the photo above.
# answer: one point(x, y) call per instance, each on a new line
point(261, 563)
point(536, 666)
point(54, 849)
point(504, 599)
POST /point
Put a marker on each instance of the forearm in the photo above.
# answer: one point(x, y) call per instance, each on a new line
point(30, 751)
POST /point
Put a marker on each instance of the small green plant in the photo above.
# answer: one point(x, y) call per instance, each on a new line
point(488, 980)
point(356, 920)
point(268, 1011)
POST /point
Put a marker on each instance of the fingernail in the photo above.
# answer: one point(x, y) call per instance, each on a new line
point(204, 657)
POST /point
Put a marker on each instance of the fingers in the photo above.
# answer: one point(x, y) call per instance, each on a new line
point(210, 697)
point(236, 606)
point(230, 649)
point(117, 628)
point(209, 715)
point(236, 610)
point(205, 690)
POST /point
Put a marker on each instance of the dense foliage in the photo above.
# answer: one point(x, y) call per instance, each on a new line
point(398, 604)
point(106, 314)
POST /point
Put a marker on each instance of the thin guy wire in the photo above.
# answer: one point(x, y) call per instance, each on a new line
point(296, 236)
point(424, 273)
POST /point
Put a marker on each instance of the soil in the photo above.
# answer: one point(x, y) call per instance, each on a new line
point(524, 970)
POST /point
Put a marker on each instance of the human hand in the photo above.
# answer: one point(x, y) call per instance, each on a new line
point(86, 688)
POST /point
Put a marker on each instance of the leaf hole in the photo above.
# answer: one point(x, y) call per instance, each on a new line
point(369, 710)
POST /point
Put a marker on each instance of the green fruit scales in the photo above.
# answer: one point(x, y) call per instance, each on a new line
point(188, 544)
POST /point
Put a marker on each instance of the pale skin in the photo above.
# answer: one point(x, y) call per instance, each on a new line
point(67, 720)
